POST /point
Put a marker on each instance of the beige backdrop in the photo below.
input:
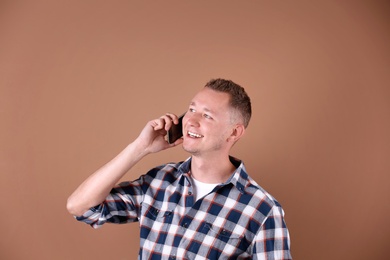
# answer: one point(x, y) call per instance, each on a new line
point(79, 79)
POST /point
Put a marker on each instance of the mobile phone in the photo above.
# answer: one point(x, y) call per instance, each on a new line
point(176, 131)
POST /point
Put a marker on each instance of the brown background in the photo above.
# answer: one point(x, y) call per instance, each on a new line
point(79, 79)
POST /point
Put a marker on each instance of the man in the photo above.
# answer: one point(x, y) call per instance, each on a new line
point(206, 207)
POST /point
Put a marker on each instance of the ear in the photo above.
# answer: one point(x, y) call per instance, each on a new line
point(237, 131)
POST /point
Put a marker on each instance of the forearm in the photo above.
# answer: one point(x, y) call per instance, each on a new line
point(96, 187)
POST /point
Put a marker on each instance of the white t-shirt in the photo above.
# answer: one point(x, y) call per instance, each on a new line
point(201, 189)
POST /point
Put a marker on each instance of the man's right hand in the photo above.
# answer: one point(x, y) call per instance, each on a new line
point(152, 137)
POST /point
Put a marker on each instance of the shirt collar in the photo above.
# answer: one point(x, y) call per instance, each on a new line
point(239, 178)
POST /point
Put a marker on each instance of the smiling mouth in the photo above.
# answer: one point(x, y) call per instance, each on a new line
point(194, 135)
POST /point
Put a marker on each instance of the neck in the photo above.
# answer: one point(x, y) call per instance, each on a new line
point(211, 170)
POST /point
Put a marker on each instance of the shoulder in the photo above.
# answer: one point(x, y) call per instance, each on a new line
point(255, 195)
point(261, 196)
point(166, 172)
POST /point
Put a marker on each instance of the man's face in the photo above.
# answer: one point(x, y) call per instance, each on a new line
point(207, 123)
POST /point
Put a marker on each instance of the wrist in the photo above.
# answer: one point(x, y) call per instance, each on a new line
point(139, 148)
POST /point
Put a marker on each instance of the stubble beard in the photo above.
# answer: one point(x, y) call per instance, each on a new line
point(195, 151)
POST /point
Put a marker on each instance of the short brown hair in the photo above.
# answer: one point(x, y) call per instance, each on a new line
point(239, 99)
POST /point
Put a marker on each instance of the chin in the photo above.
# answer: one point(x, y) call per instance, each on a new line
point(190, 150)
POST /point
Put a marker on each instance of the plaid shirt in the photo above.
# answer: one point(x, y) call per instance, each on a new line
point(237, 220)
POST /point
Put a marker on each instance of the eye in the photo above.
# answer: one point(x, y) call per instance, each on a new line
point(191, 110)
point(207, 116)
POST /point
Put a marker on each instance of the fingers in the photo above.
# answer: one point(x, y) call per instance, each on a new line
point(172, 117)
point(176, 143)
point(166, 121)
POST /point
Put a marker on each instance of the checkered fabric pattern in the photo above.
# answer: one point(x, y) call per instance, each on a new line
point(237, 220)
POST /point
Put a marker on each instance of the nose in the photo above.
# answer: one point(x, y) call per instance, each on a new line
point(192, 119)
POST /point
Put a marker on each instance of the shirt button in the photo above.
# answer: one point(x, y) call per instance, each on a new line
point(185, 225)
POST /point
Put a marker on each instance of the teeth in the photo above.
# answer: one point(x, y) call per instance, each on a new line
point(194, 135)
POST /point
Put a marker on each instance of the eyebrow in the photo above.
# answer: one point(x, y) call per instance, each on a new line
point(205, 108)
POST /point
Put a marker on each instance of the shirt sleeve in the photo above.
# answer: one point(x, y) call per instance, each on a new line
point(273, 240)
point(122, 205)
